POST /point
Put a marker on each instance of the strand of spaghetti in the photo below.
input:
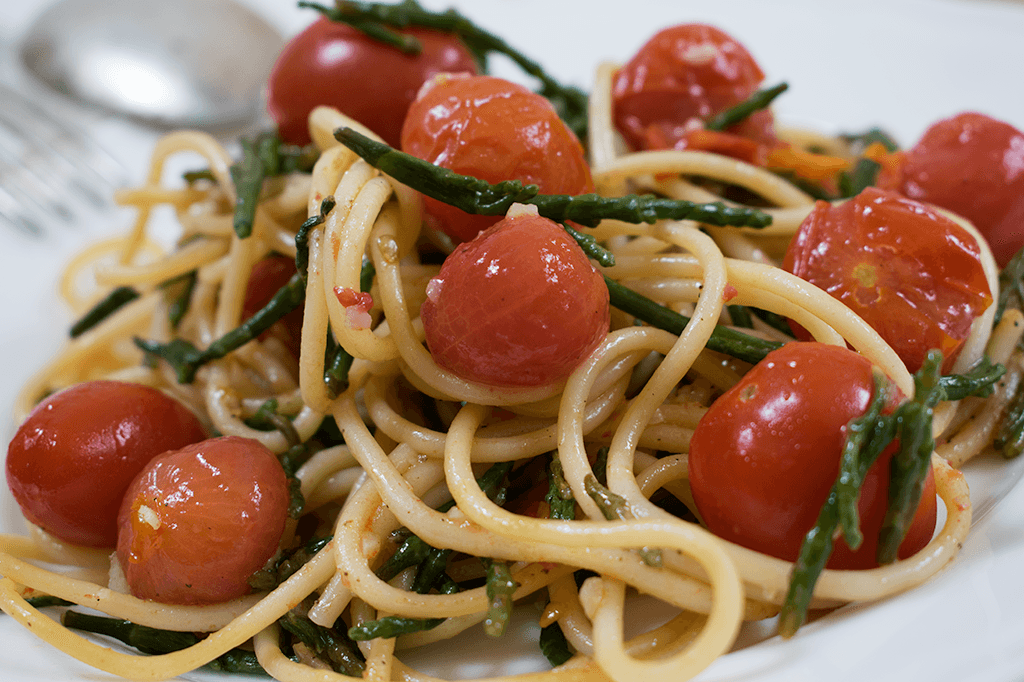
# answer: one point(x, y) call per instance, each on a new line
point(726, 610)
point(670, 161)
point(785, 221)
point(78, 270)
point(610, 649)
point(345, 240)
point(442, 530)
point(766, 298)
point(485, 448)
point(752, 276)
point(180, 198)
point(600, 129)
point(165, 666)
point(384, 250)
point(118, 605)
point(658, 265)
point(735, 244)
point(315, 328)
point(189, 257)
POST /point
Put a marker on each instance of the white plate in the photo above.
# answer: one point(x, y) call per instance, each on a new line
point(899, 64)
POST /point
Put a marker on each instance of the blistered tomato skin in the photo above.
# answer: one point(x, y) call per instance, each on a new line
point(765, 455)
point(495, 130)
point(335, 65)
point(198, 522)
point(973, 165)
point(71, 461)
point(518, 306)
point(685, 72)
point(911, 273)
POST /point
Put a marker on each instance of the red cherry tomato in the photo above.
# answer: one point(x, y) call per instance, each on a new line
point(764, 457)
point(494, 130)
point(914, 275)
point(683, 75)
point(520, 305)
point(973, 165)
point(198, 522)
point(335, 65)
point(267, 277)
point(70, 462)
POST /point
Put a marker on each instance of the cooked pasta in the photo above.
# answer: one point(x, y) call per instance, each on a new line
point(398, 467)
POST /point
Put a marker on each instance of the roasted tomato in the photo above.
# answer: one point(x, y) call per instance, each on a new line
point(680, 78)
point(267, 277)
point(70, 462)
point(336, 65)
point(495, 130)
point(765, 455)
point(973, 165)
point(196, 523)
point(911, 273)
point(520, 305)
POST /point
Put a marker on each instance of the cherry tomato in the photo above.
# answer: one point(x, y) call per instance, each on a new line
point(267, 277)
point(682, 76)
point(494, 130)
point(765, 455)
point(973, 165)
point(914, 275)
point(70, 462)
point(196, 523)
point(520, 305)
point(333, 64)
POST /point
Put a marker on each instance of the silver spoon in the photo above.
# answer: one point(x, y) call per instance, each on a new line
point(191, 63)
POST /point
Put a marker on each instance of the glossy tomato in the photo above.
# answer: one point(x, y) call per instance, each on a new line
point(914, 275)
point(765, 455)
point(267, 277)
point(973, 165)
point(335, 65)
point(196, 523)
point(495, 130)
point(683, 76)
point(70, 462)
point(520, 305)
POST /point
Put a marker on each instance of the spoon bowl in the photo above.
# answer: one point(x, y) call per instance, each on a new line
point(174, 63)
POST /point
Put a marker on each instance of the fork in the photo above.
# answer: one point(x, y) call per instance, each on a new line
point(51, 174)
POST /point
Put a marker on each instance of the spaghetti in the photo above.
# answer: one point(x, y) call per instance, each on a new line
point(396, 469)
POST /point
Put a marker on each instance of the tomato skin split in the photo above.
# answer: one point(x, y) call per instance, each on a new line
point(198, 522)
point(70, 462)
point(332, 64)
point(911, 273)
point(494, 130)
point(685, 75)
point(766, 454)
point(973, 165)
point(520, 305)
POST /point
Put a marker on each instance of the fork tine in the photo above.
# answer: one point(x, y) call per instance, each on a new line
point(39, 126)
point(45, 163)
